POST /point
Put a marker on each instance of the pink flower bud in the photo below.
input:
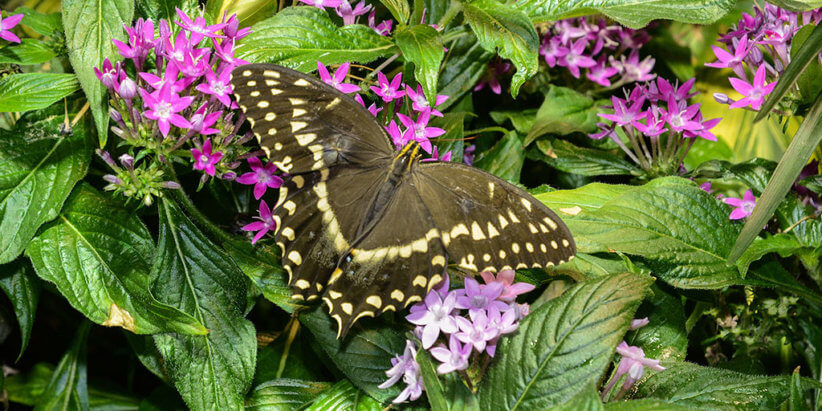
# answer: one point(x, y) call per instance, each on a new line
point(128, 89)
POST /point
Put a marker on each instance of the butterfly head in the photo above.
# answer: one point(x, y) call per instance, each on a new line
point(408, 156)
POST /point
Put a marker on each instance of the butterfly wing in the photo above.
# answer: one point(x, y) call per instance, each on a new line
point(488, 224)
point(303, 124)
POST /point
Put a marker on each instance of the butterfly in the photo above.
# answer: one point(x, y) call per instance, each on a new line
point(368, 228)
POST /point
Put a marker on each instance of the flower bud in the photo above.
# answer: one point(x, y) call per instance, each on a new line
point(118, 132)
point(234, 164)
point(111, 178)
point(127, 161)
point(229, 176)
point(128, 89)
point(105, 156)
point(722, 98)
point(115, 115)
point(170, 185)
point(147, 200)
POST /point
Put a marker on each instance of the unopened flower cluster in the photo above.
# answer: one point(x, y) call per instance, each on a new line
point(459, 327)
point(658, 124)
point(178, 103)
point(607, 53)
point(757, 49)
point(632, 364)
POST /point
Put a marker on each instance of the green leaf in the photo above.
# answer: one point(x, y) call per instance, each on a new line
point(645, 405)
point(521, 120)
point(300, 361)
point(664, 337)
point(464, 64)
point(562, 345)
point(772, 275)
point(18, 281)
point(797, 402)
point(800, 60)
point(195, 276)
point(344, 396)
point(364, 355)
point(262, 265)
point(90, 26)
point(505, 159)
point(784, 244)
point(565, 111)
point(701, 387)
point(284, 394)
point(145, 350)
point(162, 9)
point(32, 91)
point(299, 36)
point(681, 230)
point(68, 388)
point(586, 399)
point(433, 386)
point(45, 24)
point(38, 169)
point(632, 13)
point(398, 8)
point(809, 83)
point(508, 30)
point(29, 51)
point(796, 5)
point(794, 159)
point(567, 157)
point(421, 45)
point(98, 254)
point(590, 197)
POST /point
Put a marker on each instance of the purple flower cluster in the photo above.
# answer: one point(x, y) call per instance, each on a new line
point(469, 320)
point(350, 13)
point(603, 50)
point(659, 124)
point(8, 23)
point(757, 50)
point(180, 97)
point(632, 363)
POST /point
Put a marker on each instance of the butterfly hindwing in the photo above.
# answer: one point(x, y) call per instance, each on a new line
point(303, 124)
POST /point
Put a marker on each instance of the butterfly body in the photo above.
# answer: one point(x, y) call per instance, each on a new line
point(369, 229)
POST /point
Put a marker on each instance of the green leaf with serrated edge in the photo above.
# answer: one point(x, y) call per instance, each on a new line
point(32, 91)
point(262, 265)
point(18, 281)
point(68, 387)
point(505, 159)
point(507, 30)
point(645, 404)
point(38, 169)
point(797, 5)
point(664, 337)
point(562, 345)
point(42, 23)
point(783, 244)
point(772, 275)
point(421, 45)
point(194, 275)
point(398, 8)
point(567, 157)
point(590, 197)
point(796, 402)
point(29, 51)
point(160, 9)
point(701, 387)
point(565, 111)
point(794, 159)
point(90, 26)
point(586, 399)
point(682, 231)
point(632, 13)
point(800, 59)
point(344, 396)
point(284, 394)
point(98, 254)
point(299, 36)
point(585, 266)
point(464, 64)
point(365, 354)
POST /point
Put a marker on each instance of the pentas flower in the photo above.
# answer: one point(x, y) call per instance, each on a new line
point(434, 314)
point(575, 58)
point(732, 61)
point(141, 41)
point(218, 86)
point(552, 50)
point(601, 72)
point(491, 77)
point(163, 106)
point(418, 130)
point(754, 92)
point(633, 363)
point(263, 226)
point(420, 103)
point(108, 76)
point(624, 112)
point(8, 23)
point(453, 358)
point(478, 297)
point(435, 156)
point(261, 176)
point(232, 28)
point(680, 117)
point(205, 159)
point(322, 3)
point(743, 206)
point(632, 69)
point(198, 27)
point(336, 80)
point(383, 28)
point(405, 367)
point(202, 121)
point(478, 331)
point(373, 109)
point(510, 290)
point(389, 91)
point(349, 14)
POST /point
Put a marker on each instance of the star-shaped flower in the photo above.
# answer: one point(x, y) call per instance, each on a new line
point(754, 93)
point(261, 176)
point(205, 159)
point(263, 226)
point(336, 80)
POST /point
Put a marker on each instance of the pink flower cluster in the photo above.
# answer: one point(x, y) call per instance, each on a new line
point(603, 50)
point(470, 319)
point(350, 13)
point(632, 363)
point(757, 50)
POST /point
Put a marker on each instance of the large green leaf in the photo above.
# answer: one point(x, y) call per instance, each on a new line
point(681, 230)
point(398, 8)
point(567, 157)
point(586, 399)
point(98, 255)
point(284, 394)
point(464, 64)
point(590, 197)
point(504, 28)
point(421, 45)
point(344, 396)
point(505, 159)
point(363, 356)
point(38, 169)
point(664, 337)
point(645, 404)
point(701, 387)
point(262, 265)
point(299, 36)
point(68, 387)
point(565, 111)
point(562, 345)
point(195, 276)
point(42, 23)
point(32, 91)
point(29, 51)
point(632, 13)
point(90, 26)
point(18, 281)
point(784, 244)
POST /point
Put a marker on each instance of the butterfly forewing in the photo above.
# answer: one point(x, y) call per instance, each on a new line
point(304, 124)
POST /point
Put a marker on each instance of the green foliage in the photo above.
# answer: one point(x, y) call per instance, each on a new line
point(284, 394)
point(68, 387)
point(18, 281)
point(505, 158)
point(422, 46)
point(565, 111)
point(632, 13)
point(32, 91)
point(344, 396)
point(565, 156)
point(29, 51)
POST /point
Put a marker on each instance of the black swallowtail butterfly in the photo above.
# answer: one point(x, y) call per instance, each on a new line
point(369, 229)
